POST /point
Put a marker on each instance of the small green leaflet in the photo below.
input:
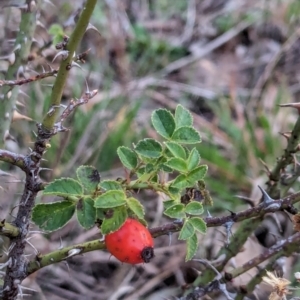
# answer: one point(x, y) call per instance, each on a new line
point(197, 174)
point(186, 135)
point(176, 149)
point(149, 148)
point(110, 199)
point(136, 207)
point(128, 157)
point(86, 212)
point(194, 208)
point(177, 164)
point(181, 182)
point(117, 218)
point(89, 177)
point(52, 216)
point(198, 224)
point(193, 159)
point(175, 211)
point(163, 122)
point(192, 247)
point(186, 231)
point(169, 203)
point(183, 117)
point(108, 185)
point(64, 187)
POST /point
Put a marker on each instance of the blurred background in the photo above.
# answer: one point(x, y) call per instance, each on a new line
point(230, 62)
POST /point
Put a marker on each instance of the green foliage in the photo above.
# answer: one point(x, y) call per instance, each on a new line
point(114, 220)
point(57, 33)
point(110, 202)
point(64, 187)
point(192, 247)
point(176, 150)
point(110, 199)
point(176, 211)
point(109, 185)
point(183, 117)
point(186, 135)
point(149, 148)
point(187, 230)
point(86, 212)
point(164, 123)
point(136, 207)
point(52, 216)
point(194, 208)
point(127, 157)
point(89, 177)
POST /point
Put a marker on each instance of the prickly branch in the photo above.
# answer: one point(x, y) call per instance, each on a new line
point(41, 261)
point(30, 164)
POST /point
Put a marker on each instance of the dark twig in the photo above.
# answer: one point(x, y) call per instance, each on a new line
point(13, 158)
point(27, 80)
point(214, 286)
point(281, 248)
point(44, 260)
point(253, 212)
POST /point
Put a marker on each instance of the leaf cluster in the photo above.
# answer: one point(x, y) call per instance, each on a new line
point(149, 163)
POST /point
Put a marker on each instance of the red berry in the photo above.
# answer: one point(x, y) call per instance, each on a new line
point(132, 243)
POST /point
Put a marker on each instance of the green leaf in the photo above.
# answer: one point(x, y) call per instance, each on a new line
point(89, 177)
point(57, 32)
point(186, 135)
point(193, 159)
point(141, 171)
point(186, 231)
point(176, 149)
point(100, 213)
point(111, 199)
point(117, 218)
point(183, 117)
point(149, 168)
point(198, 224)
point(165, 168)
point(136, 207)
point(128, 157)
point(110, 185)
point(180, 182)
point(149, 148)
point(194, 208)
point(197, 174)
point(52, 216)
point(163, 122)
point(175, 211)
point(86, 212)
point(64, 187)
point(174, 191)
point(169, 203)
point(192, 247)
point(177, 164)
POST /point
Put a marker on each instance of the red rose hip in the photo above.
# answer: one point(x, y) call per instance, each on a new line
point(132, 243)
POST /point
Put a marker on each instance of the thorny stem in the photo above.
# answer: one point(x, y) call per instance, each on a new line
point(12, 158)
point(44, 260)
point(16, 269)
point(22, 48)
point(282, 248)
point(62, 254)
point(27, 80)
point(66, 64)
point(284, 161)
point(246, 228)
